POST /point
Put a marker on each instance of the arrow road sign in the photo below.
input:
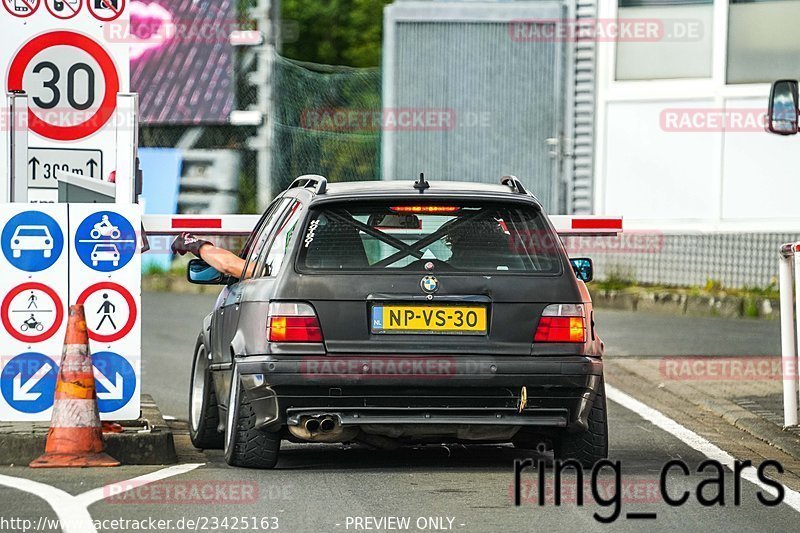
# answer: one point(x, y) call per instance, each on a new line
point(115, 391)
point(43, 163)
point(116, 381)
point(34, 164)
point(28, 383)
point(22, 392)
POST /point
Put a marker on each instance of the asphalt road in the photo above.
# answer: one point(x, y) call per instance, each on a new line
point(336, 488)
point(170, 334)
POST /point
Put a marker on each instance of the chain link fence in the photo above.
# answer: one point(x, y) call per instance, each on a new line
point(324, 120)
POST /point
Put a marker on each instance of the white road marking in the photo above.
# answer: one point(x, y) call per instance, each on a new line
point(74, 518)
point(693, 440)
point(73, 511)
point(88, 498)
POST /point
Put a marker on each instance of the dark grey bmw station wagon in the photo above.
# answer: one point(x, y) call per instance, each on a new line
point(400, 312)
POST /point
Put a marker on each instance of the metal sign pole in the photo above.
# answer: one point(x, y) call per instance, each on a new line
point(18, 148)
point(127, 142)
point(789, 369)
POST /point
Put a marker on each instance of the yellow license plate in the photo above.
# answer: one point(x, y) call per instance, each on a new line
point(455, 319)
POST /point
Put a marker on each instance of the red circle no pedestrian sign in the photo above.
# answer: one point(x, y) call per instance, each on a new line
point(72, 94)
point(110, 311)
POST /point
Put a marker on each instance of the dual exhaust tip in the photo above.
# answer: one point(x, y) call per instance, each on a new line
point(324, 425)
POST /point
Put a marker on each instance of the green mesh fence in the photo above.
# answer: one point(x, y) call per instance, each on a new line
point(325, 120)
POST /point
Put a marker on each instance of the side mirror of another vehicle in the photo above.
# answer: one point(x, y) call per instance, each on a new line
point(584, 270)
point(201, 273)
point(783, 109)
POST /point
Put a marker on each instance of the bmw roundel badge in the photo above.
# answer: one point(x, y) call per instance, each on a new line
point(429, 284)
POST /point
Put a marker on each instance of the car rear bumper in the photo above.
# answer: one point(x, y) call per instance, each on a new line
point(432, 391)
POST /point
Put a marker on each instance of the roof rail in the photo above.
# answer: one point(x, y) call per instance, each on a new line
point(513, 183)
point(320, 183)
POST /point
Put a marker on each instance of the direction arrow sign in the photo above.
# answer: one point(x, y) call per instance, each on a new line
point(28, 382)
point(44, 162)
point(115, 390)
point(116, 381)
point(22, 392)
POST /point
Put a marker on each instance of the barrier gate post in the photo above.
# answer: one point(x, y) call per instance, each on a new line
point(789, 370)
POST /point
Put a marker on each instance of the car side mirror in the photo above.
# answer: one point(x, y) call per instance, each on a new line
point(584, 270)
point(201, 273)
point(783, 110)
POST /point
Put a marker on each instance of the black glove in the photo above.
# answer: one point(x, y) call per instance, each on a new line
point(186, 242)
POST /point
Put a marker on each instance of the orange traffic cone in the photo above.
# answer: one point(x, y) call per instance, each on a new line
point(75, 438)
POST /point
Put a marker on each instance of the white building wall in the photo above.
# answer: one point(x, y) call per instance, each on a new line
point(714, 180)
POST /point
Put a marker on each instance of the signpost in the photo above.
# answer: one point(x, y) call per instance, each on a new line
point(72, 63)
point(105, 276)
point(53, 255)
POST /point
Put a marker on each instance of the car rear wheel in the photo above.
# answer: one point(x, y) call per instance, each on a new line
point(245, 445)
point(203, 409)
point(587, 447)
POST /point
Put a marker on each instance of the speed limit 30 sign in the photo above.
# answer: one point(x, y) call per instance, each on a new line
point(72, 59)
point(72, 82)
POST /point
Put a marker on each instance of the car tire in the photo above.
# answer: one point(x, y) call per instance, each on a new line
point(589, 446)
point(47, 254)
point(245, 445)
point(203, 415)
point(17, 254)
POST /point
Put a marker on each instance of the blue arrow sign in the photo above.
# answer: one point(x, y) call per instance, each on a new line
point(115, 380)
point(32, 241)
point(105, 241)
point(28, 382)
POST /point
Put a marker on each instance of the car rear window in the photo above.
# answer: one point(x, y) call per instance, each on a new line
point(457, 237)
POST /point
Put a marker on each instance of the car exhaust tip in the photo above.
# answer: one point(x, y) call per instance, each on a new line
point(312, 425)
point(327, 425)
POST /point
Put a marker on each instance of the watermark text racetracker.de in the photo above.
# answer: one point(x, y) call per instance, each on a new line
point(719, 368)
point(712, 119)
point(646, 30)
point(260, 522)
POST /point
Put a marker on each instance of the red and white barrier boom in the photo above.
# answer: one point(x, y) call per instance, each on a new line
point(565, 225)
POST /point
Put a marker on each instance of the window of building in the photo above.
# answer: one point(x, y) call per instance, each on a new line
point(664, 39)
point(763, 42)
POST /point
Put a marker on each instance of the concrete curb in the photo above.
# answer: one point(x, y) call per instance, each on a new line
point(753, 424)
point(728, 411)
point(147, 441)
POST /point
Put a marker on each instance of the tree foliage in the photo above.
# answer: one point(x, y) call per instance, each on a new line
point(335, 32)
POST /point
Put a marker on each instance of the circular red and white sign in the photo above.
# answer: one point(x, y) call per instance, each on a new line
point(106, 10)
point(21, 8)
point(110, 311)
point(71, 81)
point(63, 9)
point(32, 312)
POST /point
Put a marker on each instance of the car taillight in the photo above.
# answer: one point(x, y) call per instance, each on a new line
point(561, 323)
point(293, 322)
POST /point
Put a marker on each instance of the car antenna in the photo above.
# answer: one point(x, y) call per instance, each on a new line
point(421, 185)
